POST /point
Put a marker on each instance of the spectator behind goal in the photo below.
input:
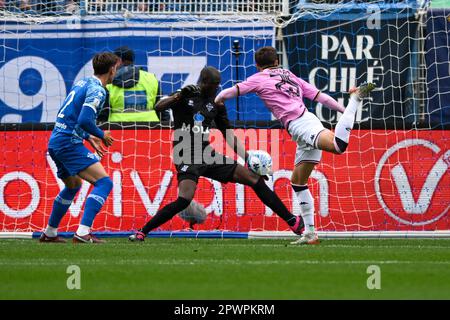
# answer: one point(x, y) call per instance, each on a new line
point(133, 92)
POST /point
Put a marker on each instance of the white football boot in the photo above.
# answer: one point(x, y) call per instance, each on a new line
point(307, 238)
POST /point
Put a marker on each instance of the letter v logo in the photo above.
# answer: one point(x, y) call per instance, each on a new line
point(431, 211)
point(432, 180)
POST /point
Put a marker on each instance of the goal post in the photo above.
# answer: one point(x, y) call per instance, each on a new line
point(393, 181)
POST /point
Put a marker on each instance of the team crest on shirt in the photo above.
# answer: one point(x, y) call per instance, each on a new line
point(96, 102)
point(198, 119)
point(191, 103)
point(209, 106)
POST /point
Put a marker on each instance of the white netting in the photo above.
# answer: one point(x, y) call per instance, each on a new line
point(393, 177)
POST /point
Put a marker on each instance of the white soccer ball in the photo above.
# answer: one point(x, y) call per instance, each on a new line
point(195, 213)
point(260, 162)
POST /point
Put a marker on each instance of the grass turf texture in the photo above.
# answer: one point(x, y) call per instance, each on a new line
point(226, 269)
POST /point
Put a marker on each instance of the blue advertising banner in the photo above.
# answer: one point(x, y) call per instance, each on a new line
point(346, 48)
point(438, 65)
point(40, 62)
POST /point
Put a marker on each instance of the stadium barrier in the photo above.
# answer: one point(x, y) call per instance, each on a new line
point(395, 182)
point(247, 235)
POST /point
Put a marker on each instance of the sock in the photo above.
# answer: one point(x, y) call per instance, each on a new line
point(345, 125)
point(306, 204)
point(165, 214)
point(95, 200)
point(83, 230)
point(270, 199)
point(60, 206)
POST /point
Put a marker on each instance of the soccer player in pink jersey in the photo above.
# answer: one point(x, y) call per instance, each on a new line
point(282, 92)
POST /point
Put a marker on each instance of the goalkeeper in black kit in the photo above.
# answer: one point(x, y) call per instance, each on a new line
point(194, 113)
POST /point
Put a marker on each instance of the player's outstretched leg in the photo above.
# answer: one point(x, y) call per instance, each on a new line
point(268, 197)
point(61, 204)
point(95, 174)
point(337, 142)
point(186, 191)
point(346, 121)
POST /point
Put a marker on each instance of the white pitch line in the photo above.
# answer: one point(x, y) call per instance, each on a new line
point(385, 246)
point(330, 246)
point(175, 262)
point(277, 245)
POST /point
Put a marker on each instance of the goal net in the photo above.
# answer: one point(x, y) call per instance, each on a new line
point(393, 180)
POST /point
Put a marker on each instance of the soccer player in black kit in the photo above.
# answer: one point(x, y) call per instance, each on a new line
point(194, 112)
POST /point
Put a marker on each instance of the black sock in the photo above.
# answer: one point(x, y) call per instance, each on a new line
point(342, 145)
point(165, 214)
point(270, 199)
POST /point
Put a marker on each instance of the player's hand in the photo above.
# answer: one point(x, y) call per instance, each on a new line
point(108, 139)
point(96, 143)
point(220, 104)
point(219, 101)
point(190, 91)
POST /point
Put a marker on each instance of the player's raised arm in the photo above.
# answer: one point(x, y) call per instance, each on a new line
point(170, 101)
point(227, 94)
point(329, 102)
point(167, 102)
point(312, 93)
point(251, 85)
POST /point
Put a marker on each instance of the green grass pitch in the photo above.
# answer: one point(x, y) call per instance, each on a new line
point(226, 269)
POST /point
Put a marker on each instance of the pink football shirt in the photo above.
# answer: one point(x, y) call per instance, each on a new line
point(281, 91)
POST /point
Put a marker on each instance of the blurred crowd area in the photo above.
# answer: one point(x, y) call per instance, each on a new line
point(40, 6)
point(171, 6)
point(73, 6)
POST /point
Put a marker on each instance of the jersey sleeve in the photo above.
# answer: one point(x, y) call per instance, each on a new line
point(309, 91)
point(95, 98)
point(221, 119)
point(177, 103)
point(86, 121)
point(252, 84)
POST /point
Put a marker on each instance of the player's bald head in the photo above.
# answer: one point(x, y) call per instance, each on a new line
point(209, 75)
point(209, 81)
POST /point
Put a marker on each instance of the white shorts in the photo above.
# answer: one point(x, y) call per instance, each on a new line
point(305, 131)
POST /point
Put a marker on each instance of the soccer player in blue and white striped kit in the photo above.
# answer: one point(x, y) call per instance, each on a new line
point(76, 121)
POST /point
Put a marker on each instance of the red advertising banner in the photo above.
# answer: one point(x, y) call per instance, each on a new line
point(387, 181)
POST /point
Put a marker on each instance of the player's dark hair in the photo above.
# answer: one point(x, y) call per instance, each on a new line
point(125, 53)
point(103, 61)
point(209, 75)
point(266, 57)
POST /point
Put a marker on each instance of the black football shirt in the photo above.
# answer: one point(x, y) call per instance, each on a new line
point(193, 119)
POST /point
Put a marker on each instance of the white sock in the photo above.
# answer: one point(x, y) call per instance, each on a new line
point(306, 200)
point(345, 123)
point(51, 232)
point(83, 230)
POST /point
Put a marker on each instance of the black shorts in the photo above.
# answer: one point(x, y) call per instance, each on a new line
point(219, 172)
